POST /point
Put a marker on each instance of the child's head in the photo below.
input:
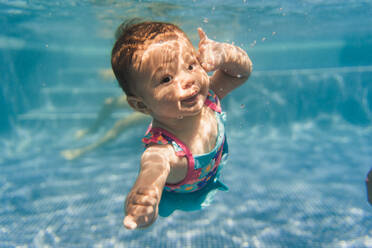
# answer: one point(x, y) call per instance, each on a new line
point(132, 37)
point(157, 67)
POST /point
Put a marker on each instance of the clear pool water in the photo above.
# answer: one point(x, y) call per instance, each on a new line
point(300, 130)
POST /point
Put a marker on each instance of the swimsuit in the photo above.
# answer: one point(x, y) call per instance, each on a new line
point(202, 177)
point(201, 168)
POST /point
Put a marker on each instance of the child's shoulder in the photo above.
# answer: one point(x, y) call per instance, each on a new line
point(163, 154)
point(157, 148)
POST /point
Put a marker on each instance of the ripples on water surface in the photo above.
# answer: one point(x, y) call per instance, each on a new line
point(299, 131)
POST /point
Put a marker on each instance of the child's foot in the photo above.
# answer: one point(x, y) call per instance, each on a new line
point(141, 207)
point(71, 154)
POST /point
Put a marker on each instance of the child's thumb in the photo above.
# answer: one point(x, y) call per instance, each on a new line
point(129, 222)
point(202, 34)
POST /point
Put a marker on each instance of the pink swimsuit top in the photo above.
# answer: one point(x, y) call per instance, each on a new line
point(202, 169)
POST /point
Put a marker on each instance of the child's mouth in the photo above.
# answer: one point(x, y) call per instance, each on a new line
point(191, 100)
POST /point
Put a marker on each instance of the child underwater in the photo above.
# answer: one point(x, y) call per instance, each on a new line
point(165, 77)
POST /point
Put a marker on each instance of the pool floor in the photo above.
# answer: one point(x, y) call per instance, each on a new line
point(292, 182)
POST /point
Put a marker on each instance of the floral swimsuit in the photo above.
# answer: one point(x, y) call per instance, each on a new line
point(202, 169)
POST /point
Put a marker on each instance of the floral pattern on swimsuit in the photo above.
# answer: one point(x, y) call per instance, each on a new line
point(201, 168)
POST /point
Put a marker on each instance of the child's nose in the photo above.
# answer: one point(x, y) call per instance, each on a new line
point(187, 82)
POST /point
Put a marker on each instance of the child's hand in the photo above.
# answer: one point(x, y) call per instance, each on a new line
point(230, 59)
point(211, 54)
point(141, 207)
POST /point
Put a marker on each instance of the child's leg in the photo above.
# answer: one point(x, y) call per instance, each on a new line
point(112, 134)
point(111, 104)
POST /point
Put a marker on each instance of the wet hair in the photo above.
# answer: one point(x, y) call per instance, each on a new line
point(132, 36)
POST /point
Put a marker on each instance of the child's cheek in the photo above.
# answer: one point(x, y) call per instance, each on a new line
point(205, 79)
point(166, 95)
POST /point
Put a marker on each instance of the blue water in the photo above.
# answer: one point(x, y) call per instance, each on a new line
point(300, 133)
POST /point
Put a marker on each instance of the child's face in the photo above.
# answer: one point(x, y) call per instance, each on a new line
point(169, 79)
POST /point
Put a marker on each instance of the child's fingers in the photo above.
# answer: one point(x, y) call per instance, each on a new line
point(208, 67)
point(202, 35)
point(139, 216)
point(145, 200)
point(148, 192)
point(136, 210)
point(129, 222)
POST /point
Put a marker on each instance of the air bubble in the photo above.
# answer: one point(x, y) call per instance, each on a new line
point(253, 43)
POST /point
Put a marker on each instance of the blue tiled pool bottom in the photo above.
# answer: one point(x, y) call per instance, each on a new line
point(296, 178)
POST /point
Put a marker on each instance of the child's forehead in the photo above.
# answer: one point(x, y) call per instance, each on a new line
point(174, 41)
point(164, 49)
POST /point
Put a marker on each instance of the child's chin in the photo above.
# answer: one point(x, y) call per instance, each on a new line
point(197, 108)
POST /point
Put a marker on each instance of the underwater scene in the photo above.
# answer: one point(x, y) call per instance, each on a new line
point(299, 130)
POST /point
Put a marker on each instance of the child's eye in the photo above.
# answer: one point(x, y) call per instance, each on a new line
point(191, 67)
point(166, 79)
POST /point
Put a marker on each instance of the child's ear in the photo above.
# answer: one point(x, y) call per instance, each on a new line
point(137, 104)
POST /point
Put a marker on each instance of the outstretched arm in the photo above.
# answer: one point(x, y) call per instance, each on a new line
point(142, 202)
point(231, 64)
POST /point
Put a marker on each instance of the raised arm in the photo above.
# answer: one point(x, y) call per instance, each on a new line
point(141, 204)
point(231, 64)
